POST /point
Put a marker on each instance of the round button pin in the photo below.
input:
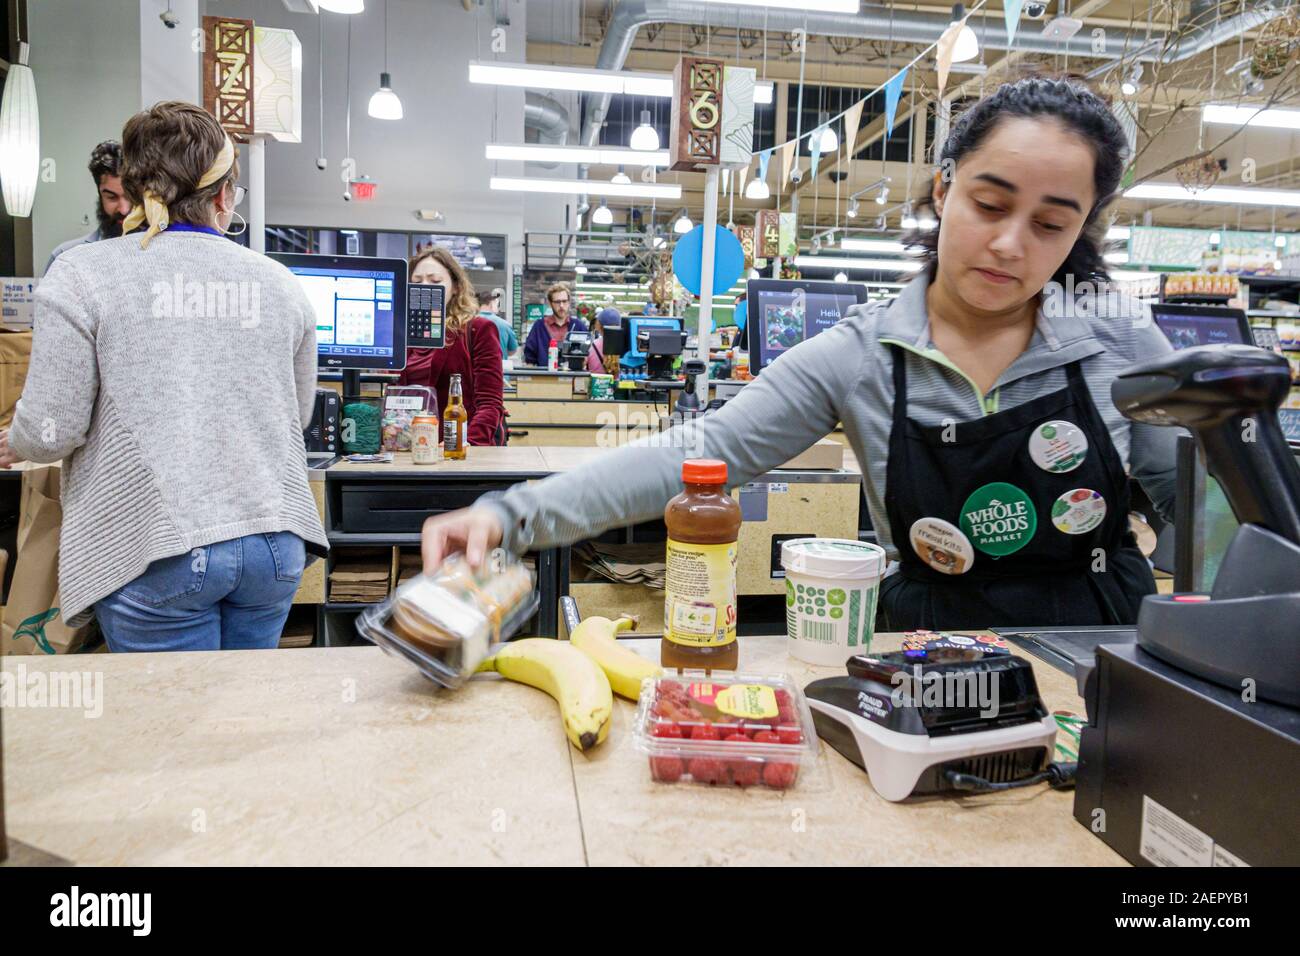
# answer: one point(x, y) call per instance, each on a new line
point(1078, 511)
point(941, 545)
point(1058, 446)
point(998, 518)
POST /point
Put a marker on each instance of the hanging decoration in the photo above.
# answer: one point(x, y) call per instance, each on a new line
point(852, 120)
point(893, 90)
point(1276, 46)
point(1011, 14)
point(1198, 174)
point(944, 51)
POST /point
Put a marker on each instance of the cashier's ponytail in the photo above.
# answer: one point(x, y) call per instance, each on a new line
point(1070, 103)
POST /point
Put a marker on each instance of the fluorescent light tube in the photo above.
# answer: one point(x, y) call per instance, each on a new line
point(595, 155)
point(871, 245)
point(1250, 116)
point(591, 186)
point(1238, 195)
point(839, 262)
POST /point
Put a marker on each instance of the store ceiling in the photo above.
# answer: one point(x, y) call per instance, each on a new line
point(570, 32)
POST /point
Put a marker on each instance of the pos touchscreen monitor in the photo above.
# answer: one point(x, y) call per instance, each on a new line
point(784, 312)
point(360, 306)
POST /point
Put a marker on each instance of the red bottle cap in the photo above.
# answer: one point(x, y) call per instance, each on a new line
point(704, 471)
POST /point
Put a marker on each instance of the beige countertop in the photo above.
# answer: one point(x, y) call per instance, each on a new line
point(346, 756)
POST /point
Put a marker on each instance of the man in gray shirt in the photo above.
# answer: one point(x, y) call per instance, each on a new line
point(112, 206)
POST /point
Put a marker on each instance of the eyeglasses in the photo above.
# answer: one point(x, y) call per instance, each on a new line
point(240, 194)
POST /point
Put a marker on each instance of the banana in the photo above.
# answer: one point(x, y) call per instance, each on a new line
point(625, 668)
point(578, 685)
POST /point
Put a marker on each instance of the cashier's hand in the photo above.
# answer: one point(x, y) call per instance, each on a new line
point(474, 531)
point(8, 457)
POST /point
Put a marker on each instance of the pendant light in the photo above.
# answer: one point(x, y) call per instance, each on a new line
point(1132, 81)
point(967, 46)
point(757, 189)
point(602, 215)
point(342, 6)
point(830, 142)
point(384, 104)
point(621, 177)
point(841, 277)
point(909, 220)
point(644, 136)
point(20, 137)
point(683, 224)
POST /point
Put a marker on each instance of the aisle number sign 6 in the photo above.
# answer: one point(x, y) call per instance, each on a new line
point(696, 133)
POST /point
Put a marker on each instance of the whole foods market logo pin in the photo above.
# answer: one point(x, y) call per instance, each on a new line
point(998, 518)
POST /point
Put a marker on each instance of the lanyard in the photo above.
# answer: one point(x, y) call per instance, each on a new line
point(190, 227)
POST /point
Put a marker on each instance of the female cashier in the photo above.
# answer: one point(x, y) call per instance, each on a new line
point(995, 464)
point(471, 349)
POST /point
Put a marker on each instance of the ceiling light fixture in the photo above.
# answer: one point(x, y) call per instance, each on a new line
point(620, 178)
point(840, 262)
point(683, 225)
point(872, 245)
point(592, 186)
point(342, 6)
point(829, 141)
point(1237, 195)
point(384, 103)
point(1250, 116)
point(602, 216)
point(591, 155)
point(644, 137)
point(967, 46)
point(1132, 81)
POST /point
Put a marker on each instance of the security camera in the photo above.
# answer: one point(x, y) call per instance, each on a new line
point(347, 195)
point(322, 162)
point(170, 20)
point(1035, 11)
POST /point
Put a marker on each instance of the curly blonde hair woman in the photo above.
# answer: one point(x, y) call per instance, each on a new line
point(471, 349)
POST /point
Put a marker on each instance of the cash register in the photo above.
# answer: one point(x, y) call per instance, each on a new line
point(1191, 752)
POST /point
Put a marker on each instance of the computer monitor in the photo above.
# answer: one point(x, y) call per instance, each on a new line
point(1204, 523)
point(360, 305)
point(1186, 326)
point(634, 357)
point(785, 312)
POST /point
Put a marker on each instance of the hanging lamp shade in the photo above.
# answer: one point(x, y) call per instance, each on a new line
point(20, 138)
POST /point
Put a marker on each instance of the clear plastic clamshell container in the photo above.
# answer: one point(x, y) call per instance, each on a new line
point(445, 623)
point(402, 403)
point(736, 730)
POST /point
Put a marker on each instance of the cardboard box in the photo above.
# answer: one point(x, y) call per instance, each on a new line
point(17, 301)
point(15, 354)
point(826, 454)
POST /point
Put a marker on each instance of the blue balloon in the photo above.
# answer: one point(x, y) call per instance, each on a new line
point(742, 314)
point(728, 259)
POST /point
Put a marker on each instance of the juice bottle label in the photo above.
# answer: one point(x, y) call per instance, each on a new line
point(753, 701)
point(700, 594)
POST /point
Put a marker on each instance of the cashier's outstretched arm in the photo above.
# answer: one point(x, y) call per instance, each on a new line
point(791, 405)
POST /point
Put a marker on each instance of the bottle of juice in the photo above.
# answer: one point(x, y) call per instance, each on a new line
point(700, 583)
point(455, 419)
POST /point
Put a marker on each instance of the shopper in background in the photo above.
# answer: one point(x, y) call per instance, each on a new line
point(995, 464)
point(489, 307)
point(597, 361)
point(471, 349)
point(111, 205)
point(173, 373)
point(553, 328)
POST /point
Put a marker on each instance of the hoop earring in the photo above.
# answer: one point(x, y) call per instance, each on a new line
point(243, 229)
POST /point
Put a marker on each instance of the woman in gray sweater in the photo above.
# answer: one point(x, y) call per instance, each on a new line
point(994, 462)
point(172, 373)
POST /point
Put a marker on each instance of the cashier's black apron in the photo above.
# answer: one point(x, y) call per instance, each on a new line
point(1056, 578)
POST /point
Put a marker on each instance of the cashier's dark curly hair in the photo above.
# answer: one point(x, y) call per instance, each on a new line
point(1079, 110)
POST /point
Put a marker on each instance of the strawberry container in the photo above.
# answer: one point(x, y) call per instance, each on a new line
point(741, 730)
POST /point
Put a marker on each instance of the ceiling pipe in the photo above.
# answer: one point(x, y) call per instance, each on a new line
point(879, 23)
point(549, 118)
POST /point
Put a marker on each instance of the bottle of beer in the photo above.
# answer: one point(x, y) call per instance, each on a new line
point(454, 422)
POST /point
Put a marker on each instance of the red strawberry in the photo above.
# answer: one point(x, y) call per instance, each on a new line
point(766, 737)
point(666, 769)
point(789, 734)
point(707, 770)
point(666, 728)
point(783, 698)
point(746, 773)
point(787, 715)
point(779, 776)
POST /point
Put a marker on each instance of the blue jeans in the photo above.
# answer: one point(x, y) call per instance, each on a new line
point(227, 596)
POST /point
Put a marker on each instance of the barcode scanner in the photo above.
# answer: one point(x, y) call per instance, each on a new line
point(1227, 396)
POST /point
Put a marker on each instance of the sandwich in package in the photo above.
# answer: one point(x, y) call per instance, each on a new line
point(444, 623)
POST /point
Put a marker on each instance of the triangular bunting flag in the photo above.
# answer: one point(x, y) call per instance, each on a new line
point(726, 181)
point(1011, 12)
point(852, 118)
point(764, 158)
point(943, 54)
point(893, 90)
point(787, 159)
point(815, 147)
point(744, 175)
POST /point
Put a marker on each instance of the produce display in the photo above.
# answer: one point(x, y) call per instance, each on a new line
point(741, 730)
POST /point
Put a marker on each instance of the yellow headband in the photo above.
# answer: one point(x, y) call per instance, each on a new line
point(154, 211)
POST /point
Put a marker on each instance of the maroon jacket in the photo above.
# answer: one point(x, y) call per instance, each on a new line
point(480, 377)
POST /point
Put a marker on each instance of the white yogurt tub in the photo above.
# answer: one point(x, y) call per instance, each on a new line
point(831, 588)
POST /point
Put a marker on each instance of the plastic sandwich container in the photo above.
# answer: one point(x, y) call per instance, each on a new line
point(445, 623)
point(831, 589)
point(741, 730)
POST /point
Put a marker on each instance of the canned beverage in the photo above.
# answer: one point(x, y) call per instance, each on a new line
point(424, 439)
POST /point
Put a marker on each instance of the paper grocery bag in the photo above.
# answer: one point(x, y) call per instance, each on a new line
point(33, 623)
point(15, 352)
